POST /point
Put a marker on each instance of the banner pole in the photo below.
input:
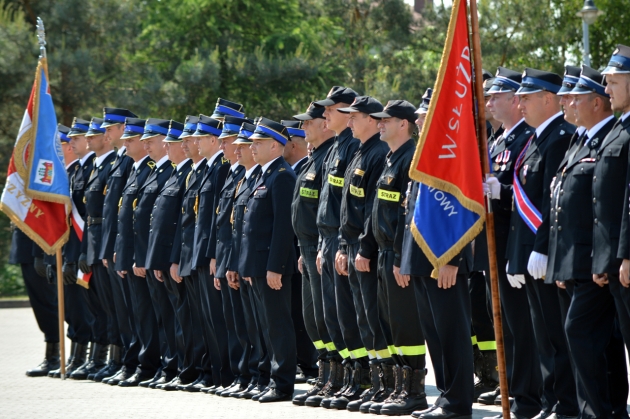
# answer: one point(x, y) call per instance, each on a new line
point(492, 250)
point(60, 314)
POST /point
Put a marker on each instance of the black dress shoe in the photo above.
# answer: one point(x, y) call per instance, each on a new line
point(417, 413)
point(254, 391)
point(160, 381)
point(274, 395)
point(122, 375)
point(512, 416)
point(239, 394)
point(197, 386)
point(134, 381)
point(215, 389)
point(489, 397)
point(148, 382)
point(262, 393)
point(440, 413)
point(236, 388)
point(543, 415)
point(170, 386)
point(211, 387)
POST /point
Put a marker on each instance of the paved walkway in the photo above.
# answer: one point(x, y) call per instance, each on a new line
point(22, 347)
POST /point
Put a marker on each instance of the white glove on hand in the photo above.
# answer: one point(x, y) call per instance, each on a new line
point(516, 281)
point(492, 187)
point(537, 265)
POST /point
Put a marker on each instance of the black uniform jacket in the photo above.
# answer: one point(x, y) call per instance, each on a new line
point(413, 261)
point(164, 218)
point(390, 195)
point(147, 195)
point(182, 252)
point(23, 249)
point(503, 154)
point(308, 189)
point(359, 192)
point(241, 197)
point(223, 225)
point(115, 183)
point(125, 237)
point(536, 172)
point(73, 239)
point(207, 207)
point(571, 231)
point(78, 180)
point(333, 172)
point(267, 241)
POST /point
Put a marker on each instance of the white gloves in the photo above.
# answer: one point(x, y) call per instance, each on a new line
point(516, 281)
point(492, 187)
point(537, 265)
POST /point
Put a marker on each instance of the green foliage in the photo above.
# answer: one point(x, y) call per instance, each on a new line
point(11, 282)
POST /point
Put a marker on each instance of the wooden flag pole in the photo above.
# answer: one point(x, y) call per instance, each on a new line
point(60, 313)
point(492, 250)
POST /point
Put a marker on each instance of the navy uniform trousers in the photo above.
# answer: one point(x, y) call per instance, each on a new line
point(259, 362)
point(43, 299)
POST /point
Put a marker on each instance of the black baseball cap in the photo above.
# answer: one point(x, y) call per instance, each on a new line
point(338, 94)
point(398, 109)
point(313, 112)
point(363, 104)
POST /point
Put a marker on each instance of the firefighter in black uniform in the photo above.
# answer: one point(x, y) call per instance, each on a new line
point(306, 196)
point(357, 255)
point(144, 320)
point(267, 257)
point(518, 332)
point(528, 241)
point(114, 124)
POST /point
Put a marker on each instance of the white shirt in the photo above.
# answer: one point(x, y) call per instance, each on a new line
point(298, 162)
point(268, 164)
point(84, 158)
point(591, 132)
point(139, 162)
point(249, 172)
point(161, 162)
point(545, 124)
point(71, 163)
point(507, 133)
point(624, 116)
point(234, 166)
point(214, 157)
point(196, 165)
point(121, 150)
point(100, 159)
point(580, 130)
point(182, 163)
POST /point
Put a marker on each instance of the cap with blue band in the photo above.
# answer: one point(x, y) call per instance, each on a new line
point(269, 129)
point(535, 81)
point(190, 126)
point(619, 62)
point(505, 81)
point(95, 128)
point(63, 133)
point(225, 108)
point(115, 116)
point(155, 127)
point(134, 127)
point(232, 126)
point(247, 130)
point(571, 77)
point(208, 126)
point(294, 128)
point(175, 130)
point(79, 127)
point(591, 81)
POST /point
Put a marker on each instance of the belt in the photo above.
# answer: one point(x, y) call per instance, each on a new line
point(94, 220)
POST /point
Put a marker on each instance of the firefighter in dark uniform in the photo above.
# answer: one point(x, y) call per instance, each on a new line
point(590, 319)
point(306, 196)
point(518, 332)
point(340, 317)
point(267, 257)
point(396, 125)
point(114, 125)
point(155, 130)
point(357, 255)
point(78, 254)
point(237, 190)
point(139, 300)
point(528, 241)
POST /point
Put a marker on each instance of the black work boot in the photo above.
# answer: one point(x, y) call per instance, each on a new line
point(50, 362)
point(98, 356)
point(335, 381)
point(375, 408)
point(347, 382)
point(322, 378)
point(57, 372)
point(488, 378)
point(411, 397)
point(360, 384)
point(368, 395)
point(386, 387)
point(113, 366)
point(79, 356)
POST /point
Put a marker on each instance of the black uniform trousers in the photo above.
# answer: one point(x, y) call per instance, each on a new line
point(368, 296)
point(480, 305)
point(559, 392)
point(101, 283)
point(146, 325)
point(78, 315)
point(100, 333)
point(198, 341)
point(401, 314)
point(339, 312)
point(166, 321)
point(183, 327)
point(259, 364)
point(215, 329)
point(274, 314)
point(43, 299)
point(236, 333)
point(445, 316)
point(306, 353)
point(312, 302)
point(121, 299)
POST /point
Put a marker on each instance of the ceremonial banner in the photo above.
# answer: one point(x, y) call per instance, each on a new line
point(37, 192)
point(449, 209)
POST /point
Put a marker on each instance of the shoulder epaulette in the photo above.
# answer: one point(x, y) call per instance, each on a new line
point(174, 165)
point(282, 169)
point(151, 164)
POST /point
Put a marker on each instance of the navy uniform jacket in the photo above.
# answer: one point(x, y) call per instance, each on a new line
point(536, 173)
point(359, 192)
point(413, 261)
point(124, 245)
point(308, 189)
point(223, 223)
point(267, 241)
point(242, 193)
point(503, 155)
point(207, 207)
point(23, 249)
point(147, 194)
point(182, 252)
point(72, 249)
point(390, 194)
point(164, 218)
point(115, 183)
point(94, 198)
point(571, 231)
point(333, 171)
